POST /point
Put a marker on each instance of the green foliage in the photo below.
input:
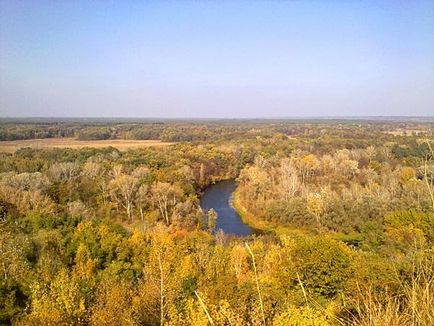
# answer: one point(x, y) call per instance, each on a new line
point(410, 228)
point(94, 134)
point(292, 212)
point(13, 301)
point(323, 264)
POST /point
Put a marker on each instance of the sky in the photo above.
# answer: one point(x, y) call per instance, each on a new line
point(216, 59)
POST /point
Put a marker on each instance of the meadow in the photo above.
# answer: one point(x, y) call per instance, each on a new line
point(70, 142)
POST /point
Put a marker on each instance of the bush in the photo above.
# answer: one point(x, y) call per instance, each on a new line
point(323, 264)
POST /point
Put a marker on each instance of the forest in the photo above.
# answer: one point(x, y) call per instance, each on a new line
point(343, 213)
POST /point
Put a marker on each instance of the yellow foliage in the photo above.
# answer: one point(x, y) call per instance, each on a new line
point(301, 316)
point(113, 305)
point(407, 174)
point(84, 264)
point(58, 304)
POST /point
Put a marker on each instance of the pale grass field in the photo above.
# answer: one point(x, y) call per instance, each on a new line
point(121, 144)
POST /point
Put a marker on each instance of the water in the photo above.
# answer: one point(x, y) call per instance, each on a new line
point(218, 196)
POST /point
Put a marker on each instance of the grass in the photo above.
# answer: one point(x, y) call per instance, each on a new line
point(413, 305)
point(121, 144)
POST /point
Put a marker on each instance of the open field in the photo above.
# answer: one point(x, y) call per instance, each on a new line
point(121, 144)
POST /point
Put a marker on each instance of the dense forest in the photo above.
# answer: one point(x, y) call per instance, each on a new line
point(343, 213)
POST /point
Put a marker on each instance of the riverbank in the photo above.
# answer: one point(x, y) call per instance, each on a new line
point(265, 227)
point(259, 225)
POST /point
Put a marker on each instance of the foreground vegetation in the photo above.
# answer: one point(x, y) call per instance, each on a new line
point(109, 237)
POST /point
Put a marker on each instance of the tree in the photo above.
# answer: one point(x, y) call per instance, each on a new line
point(288, 179)
point(315, 205)
point(77, 209)
point(306, 165)
point(12, 255)
point(370, 152)
point(161, 283)
point(123, 189)
point(84, 264)
point(165, 196)
point(142, 200)
point(428, 182)
point(96, 172)
point(256, 182)
point(322, 263)
point(66, 173)
point(239, 261)
point(113, 304)
point(212, 219)
point(27, 181)
point(58, 303)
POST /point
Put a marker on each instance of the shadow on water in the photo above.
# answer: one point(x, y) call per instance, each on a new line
point(218, 197)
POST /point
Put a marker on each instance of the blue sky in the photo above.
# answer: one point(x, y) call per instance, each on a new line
point(222, 59)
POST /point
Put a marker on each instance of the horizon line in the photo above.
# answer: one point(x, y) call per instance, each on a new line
point(295, 117)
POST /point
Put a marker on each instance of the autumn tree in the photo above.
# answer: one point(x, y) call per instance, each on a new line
point(65, 174)
point(97, 174)
point(164, 197)
point(211, 219)
point(315, 205)
point(123, 189)
point(160, 285)
point(288, 179)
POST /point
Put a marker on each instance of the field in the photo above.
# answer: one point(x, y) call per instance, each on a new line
point(121, 144)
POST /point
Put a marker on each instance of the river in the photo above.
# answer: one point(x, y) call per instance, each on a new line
point(218, 197)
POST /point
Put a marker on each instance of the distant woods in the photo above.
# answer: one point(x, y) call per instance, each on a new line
point(207, 130)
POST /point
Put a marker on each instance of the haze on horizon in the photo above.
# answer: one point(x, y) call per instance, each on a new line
point(229, 59)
